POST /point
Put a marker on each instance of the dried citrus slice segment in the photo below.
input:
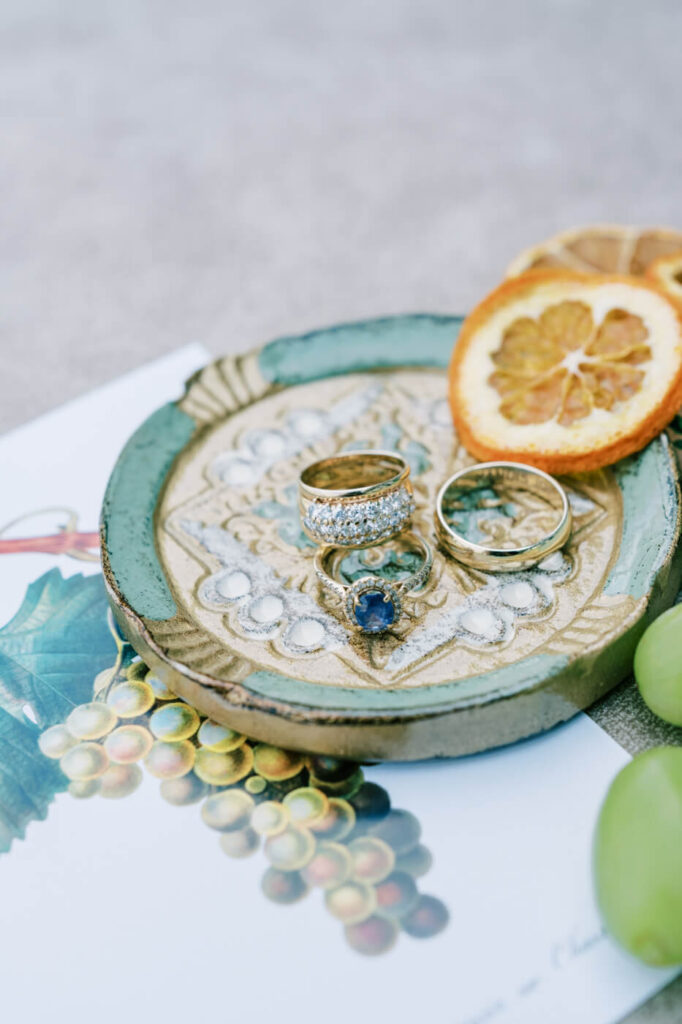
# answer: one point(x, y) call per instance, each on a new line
point(567, 371)
point(601, 249)
point(666, 272)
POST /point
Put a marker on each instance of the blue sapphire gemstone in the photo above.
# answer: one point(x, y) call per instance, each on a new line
point(374, 611)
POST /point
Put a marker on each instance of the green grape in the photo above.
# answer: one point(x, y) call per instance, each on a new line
point(283, 886)
point(218, 737)
point(373, 859)
point(136, 670)
point(291, 849)
point(347, 786)
point(130, 699)
point(91, 721)
point(84, 788)
point(400, 829)
point(120, 780)
point(373, 936)
point(397, 895)
point(658, 666)
point(171, 722)
point(638, 857)
point(306, 805)
point(427, 918)
point(84, 761)
point(337, 822)
point(284, 786)
point(255, 785)
point(159, 688)
point(269, 818)
point(275, 764)
point(331, 769)
point(351, 902)
point(371, 804)
point(188, 789)
point(239, 844)
point(128, 743)
point(102, 680)
point(416, 861)
point(55, 741)
point(228, 811)
point(330, 866)
point(170, 760)
point(223, 769)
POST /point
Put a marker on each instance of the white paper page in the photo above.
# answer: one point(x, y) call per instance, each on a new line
point(62, 460)
point(129, 909)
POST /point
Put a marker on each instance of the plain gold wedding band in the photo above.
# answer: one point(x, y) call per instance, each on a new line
point(511, 559)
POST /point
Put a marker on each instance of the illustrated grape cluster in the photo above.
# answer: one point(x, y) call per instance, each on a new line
point(321, 825)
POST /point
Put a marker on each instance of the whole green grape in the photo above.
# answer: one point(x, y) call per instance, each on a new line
point(306, 805)
point(373, 936)
point(131, 698)
point(291, 849)
point(275, 764)
point(218, 737)
point(228, 810)
point(56, 741)
point(337, 822)
point(283, 886)
point(120, 780)
point(351, 902)
point(241, 843)
point(658, 666)
point(330, 867)
point(187, 789)
point(638, 857)
point(91, 721)
point(174, 721)
point(84, 761)
point(427, 918)
point(373, 859)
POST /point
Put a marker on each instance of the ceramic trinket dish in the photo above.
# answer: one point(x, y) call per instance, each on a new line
point(211, 576)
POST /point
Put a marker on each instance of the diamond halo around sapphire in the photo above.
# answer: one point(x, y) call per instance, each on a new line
point(373, 604)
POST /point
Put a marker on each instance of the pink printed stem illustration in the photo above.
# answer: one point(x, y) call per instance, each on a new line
point(66, 542)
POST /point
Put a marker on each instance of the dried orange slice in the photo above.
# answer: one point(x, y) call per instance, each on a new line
point(601, 249)
point(666, 272)
point(567, 371)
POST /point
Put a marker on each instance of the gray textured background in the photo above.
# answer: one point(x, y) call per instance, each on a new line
point(226, 172)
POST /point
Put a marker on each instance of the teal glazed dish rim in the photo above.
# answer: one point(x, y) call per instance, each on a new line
point(465, 715)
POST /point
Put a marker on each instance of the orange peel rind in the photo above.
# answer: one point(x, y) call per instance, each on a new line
point(599, 249)
point(666, 272)
point(567, 371)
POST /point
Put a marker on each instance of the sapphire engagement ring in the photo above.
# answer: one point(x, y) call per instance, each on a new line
point(373, 604)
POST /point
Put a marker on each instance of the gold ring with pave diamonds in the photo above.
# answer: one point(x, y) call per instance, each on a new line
point(372, 604)
point(457, 493)
point(356, 499)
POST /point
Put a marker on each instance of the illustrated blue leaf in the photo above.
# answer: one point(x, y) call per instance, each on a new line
point(28, 780)
point(50, 653)
point(54, 646)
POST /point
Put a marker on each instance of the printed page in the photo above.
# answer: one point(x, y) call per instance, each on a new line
point(123, 909)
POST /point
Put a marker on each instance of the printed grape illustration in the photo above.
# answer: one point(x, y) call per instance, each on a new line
point(318, 823)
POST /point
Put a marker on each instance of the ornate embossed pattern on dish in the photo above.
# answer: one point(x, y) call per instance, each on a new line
point(229, 535)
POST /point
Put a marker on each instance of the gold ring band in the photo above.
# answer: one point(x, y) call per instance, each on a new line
point(356, 499)
point(452, 497)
